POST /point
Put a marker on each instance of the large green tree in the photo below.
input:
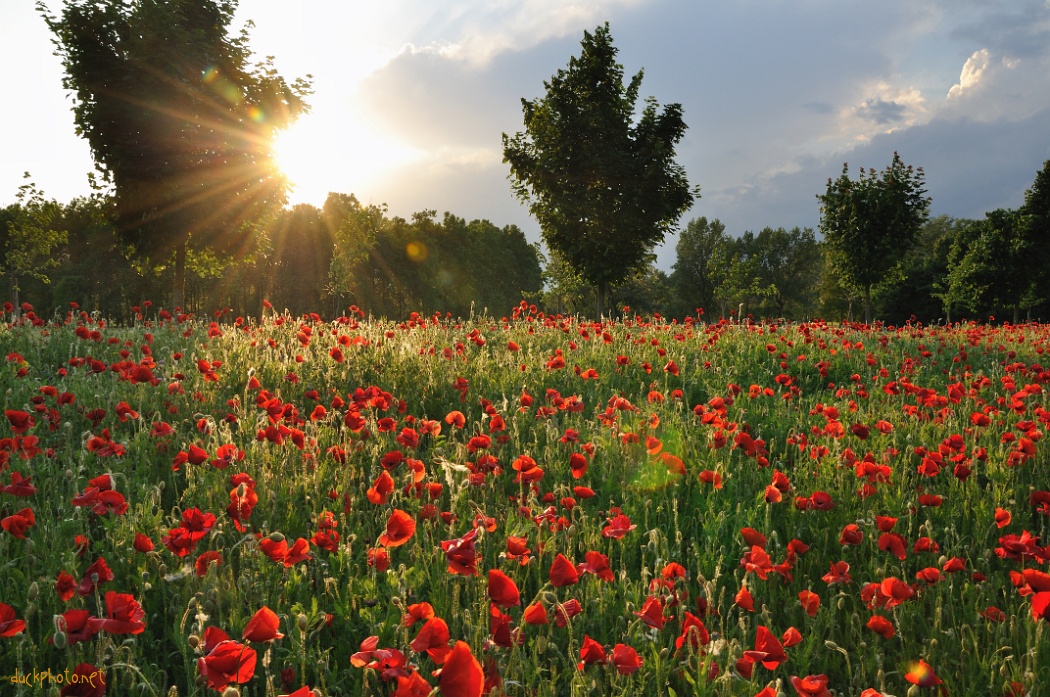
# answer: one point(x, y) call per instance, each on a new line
point(701, 256)
point(179, 119)
point(28, 234)
point(871, 223)
point(604, 187)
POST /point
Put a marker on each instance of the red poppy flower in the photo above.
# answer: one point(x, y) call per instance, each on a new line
point(502, 589)
point(9, 622)
point(757, 561)
point(417, 612)
point(881, 626)
point(461, 675)
point(499, 628)
point(1041, 606)
point(99, 572)
point(652, 613)
point(744, 600)
point(298, 552)
point(618, 526)
point(124, 615)
point(205, 562)
point(18, 523)
point(142, 543)
point(693, 631)
point(379, 559)
point(839, 573)
point(1002, 518)
point(433, 639)
point(811, 686)
point(578, 465)
point(768, 650)
point(76, 625)
point(461, 554)
point(851, 535)
point(810, 602)
point(262, 626)
point(563, 572)
point(591, 652)
point(20, 421)
point(563, 612)
point(598, 564)
point(753, 538)
point(894, 544)
point(535, 614)
point(626, 659)
point(791, 637)
point(517, 548)
point(922, 674)
point(228, 662)
point(19, 486)
point(400, 528)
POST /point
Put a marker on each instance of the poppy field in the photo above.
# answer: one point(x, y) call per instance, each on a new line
point(531, 505)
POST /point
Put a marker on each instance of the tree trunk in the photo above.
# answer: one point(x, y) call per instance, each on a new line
point(600, 291)
point(867, 304)
point(178, 293)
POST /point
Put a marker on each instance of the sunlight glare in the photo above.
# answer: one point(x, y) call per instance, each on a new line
point(348, 156)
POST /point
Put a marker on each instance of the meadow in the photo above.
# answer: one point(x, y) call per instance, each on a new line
point(530, 505)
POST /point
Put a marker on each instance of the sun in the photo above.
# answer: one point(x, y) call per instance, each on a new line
point(325, 152)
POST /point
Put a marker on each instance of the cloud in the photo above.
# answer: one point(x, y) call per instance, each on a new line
point(484, 29)
point(972, 71)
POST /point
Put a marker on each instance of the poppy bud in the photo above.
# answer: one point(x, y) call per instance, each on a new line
point(60, 640)
point(231, 692)
point(302, 622)
point(193, 640)
point(276, 537)
point(34, 591)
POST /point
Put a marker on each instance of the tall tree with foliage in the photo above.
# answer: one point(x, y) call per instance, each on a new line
point(699, 261)
point(28, 233)
point(179, 121)
point(604, 189)
point(871, 223)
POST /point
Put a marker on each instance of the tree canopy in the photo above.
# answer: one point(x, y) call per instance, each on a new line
point(604, 189)
point(179, 120)
point(871, 223)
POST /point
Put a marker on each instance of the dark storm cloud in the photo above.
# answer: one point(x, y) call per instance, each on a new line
point(1019, 28)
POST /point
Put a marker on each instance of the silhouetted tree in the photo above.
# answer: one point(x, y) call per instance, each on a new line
point(604, 189)
point(178, 120)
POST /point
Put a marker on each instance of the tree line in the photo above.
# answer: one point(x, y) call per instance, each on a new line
point(303, 259)
point(309, 259)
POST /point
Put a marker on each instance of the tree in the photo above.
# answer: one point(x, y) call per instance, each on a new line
point(179, 122)
point(869, 225)
point(698, 258)
point(781, 264)
point(604, 190)
point(27, 235)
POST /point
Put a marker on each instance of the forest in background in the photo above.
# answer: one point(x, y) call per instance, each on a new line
point(324, 260)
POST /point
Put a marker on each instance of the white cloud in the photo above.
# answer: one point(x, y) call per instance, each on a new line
point(489, 29)
point(972, 72)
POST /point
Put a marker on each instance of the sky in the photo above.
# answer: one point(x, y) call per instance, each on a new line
point(411, 98)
